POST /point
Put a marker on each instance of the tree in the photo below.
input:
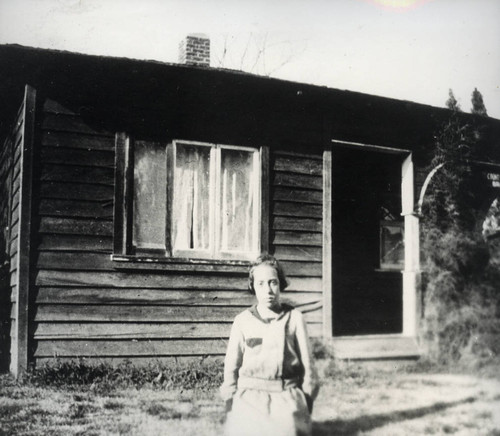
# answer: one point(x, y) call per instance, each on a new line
point(460, 300)
point(255, 53)
point(452, 102)
point(478, 107)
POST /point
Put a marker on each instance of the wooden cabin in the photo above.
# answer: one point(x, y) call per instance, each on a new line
point(134, 194)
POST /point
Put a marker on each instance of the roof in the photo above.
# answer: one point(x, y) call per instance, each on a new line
point(128, 92)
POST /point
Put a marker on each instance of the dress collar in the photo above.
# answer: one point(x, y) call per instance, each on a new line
point(285, 308)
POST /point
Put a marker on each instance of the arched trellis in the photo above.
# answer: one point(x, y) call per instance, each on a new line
point(494, 203)
point(425, 185)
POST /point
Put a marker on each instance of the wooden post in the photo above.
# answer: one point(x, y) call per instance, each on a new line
point(411, 272)
point(24, 239)
point(327, 243)
point(264, 199)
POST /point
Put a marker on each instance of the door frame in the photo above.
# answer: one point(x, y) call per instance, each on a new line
point(411, 271)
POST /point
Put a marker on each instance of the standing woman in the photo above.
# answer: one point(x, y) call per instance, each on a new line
point(269, 378)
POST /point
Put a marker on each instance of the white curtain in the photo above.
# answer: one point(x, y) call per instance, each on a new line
point(237, 200)
point(191, 215)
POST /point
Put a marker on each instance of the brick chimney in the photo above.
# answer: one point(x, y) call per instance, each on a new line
point(195, 50)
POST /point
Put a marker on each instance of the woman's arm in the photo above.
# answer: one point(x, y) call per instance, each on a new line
point(310, 385)
point(232, 362)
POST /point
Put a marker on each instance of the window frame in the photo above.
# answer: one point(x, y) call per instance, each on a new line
point(123, 249)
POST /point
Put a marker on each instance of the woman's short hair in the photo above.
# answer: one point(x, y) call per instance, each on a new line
point(266, 259)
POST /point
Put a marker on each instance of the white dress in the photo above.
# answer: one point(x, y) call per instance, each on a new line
point(269, 373)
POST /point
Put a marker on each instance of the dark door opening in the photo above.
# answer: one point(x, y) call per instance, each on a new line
point(367, 243)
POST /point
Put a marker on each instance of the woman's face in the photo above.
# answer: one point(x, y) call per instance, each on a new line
point(267, 286)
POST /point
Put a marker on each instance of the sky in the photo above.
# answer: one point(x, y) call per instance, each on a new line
point(412, 50)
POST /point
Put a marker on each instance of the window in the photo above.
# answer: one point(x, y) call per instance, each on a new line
point(189, 199)
point(391, 245)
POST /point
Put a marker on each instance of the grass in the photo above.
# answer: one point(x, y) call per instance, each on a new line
point(382, 399)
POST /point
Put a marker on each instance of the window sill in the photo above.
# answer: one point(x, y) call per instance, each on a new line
point(145, 262)
point(390, 270)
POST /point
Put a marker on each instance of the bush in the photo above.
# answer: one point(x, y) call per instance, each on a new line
point(460, 299)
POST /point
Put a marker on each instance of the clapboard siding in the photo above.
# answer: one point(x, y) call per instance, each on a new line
point(130, 330)
point(119, 313)
point(134, 296)
point(65, 260)
point(88, 304)
point(87, 243)
point(6, 159)
point(149, 347)
point(13, 163)
point(76, 226)
point(76, 191)
point(77, 141)
point(159, 280)
point(77, 209)
point(296, 223)
point(77, 174)
point(80, 157)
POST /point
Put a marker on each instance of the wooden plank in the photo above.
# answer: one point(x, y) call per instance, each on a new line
point(14, 278)
point(289, 252)
point(297, 165)
point(123, 192)
point(304, 224)
point(54, 107)
point(297, 210)
point(75, 140)
point(68, 156)
point(77, 209)
point(26, 190)
point(76, 191)
point(153, 314)
point(77, 174)
point(14, 214)
point(66, 330)
point(14, 230)
point(74, 226)
point(16, 182)
point(65, 260)
point(53, 295)
point(139, 280)
point(327, 243)
point(297, 195)
point(160, 281)
point(100, 348)
point(130, 313)
point(297, 238)
point(298, 181)
point(16, 198)
point(69, 123)
point(103, 244)
point(294, 154)
point(376, 347)
point(74, 260)
point(303, 269)
point(265, 203)
point(13, 247)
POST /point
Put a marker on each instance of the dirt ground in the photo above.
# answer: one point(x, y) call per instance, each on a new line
point(351, 402)
point(410, 404)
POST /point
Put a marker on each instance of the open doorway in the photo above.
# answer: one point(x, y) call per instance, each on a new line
point(368, 242)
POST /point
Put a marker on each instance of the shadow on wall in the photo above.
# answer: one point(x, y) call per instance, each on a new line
point(370, 422)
